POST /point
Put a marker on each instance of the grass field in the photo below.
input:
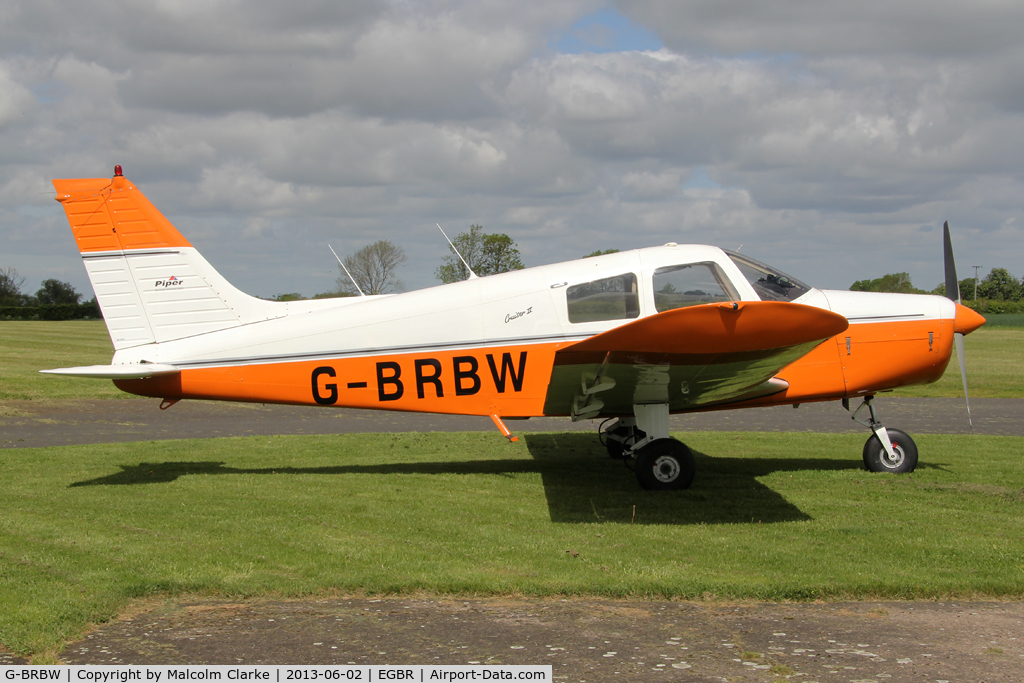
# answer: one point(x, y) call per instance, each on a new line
point(1005, 320)
point(86, 529)
point(28, 346)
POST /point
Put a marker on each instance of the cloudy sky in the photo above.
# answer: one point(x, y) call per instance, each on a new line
point(829, 139)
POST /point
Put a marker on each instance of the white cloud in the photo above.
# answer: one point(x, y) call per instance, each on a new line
point(266, 130)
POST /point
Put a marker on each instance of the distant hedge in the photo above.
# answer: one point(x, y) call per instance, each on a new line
point(50, 312)
point(995, 306)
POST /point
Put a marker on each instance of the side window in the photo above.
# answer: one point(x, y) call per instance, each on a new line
point(613, 298)
point(689, 285)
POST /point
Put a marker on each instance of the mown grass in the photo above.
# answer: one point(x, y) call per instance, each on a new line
point(1004, 320)
point(86, 529)
point(28, 346)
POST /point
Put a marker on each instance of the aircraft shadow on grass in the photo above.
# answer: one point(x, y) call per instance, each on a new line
point(581, 483)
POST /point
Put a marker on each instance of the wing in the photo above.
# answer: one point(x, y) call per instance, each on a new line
point(687, 358)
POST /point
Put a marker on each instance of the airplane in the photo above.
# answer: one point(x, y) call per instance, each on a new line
point(628, 337)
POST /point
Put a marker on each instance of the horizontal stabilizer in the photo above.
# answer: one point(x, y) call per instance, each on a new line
point(134, 371)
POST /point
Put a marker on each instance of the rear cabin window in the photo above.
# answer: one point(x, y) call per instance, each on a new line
point(613, 298)
point(689, 285)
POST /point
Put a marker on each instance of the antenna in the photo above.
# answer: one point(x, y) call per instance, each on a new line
point(472, 275)
point(342, 264)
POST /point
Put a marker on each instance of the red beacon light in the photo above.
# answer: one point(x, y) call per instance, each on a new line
point(117, 170)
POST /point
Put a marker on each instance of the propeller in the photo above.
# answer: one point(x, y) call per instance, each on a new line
point(953, 292)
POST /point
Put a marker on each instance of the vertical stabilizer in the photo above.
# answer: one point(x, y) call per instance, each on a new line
point(150, 282)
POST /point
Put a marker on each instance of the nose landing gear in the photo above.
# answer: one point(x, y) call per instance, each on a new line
point(887, 450)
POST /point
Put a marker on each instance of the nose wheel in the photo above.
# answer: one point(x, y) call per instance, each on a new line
point(887, 450)
point(903, 458)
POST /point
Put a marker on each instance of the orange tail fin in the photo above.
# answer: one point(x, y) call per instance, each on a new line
point(151, 284)
point(112, 215)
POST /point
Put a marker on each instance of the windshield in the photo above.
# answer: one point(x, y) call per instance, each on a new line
point(770, 283)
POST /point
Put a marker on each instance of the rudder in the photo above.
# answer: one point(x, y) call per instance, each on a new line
point(150, 282)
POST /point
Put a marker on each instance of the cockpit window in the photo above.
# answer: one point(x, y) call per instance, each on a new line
point(769, 283)
point(689, 285)
point(613, 298)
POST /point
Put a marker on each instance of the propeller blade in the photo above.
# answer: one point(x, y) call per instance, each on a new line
point(953, 292)
point(958, 339)
point(952, 284)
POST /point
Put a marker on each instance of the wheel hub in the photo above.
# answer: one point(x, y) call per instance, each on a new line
point(666, 469)
point(893, 462)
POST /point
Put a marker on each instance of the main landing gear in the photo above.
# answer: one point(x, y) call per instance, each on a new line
point(661, 463)
point(887, 450)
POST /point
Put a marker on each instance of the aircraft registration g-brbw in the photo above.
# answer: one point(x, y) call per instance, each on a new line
point(631, 337)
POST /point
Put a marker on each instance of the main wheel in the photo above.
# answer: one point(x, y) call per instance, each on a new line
point(877, 460)
point(665, 465)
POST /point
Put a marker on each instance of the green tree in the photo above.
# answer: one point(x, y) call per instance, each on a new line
point(10, 287)
point(485, 254)
point(374, 268)
point(57, 292)
point(966, 289)
point(892, 282)
point(1000, 285)
point(601, 253)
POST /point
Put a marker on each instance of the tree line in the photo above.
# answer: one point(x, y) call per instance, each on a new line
point(374, 268)
point(997, 292)
point(54, 300)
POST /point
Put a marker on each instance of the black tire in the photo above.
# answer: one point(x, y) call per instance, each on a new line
point(617, 449)
point(665, 465)
point(877, 460)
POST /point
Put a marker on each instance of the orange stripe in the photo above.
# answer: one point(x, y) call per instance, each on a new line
point(882, 356)
point(507, 381)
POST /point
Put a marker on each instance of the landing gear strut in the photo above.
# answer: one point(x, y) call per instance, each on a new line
point(661, 463)
point(887, 450)
point(620, 436)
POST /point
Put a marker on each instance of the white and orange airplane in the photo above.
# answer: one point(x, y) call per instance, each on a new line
point(631, 337)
